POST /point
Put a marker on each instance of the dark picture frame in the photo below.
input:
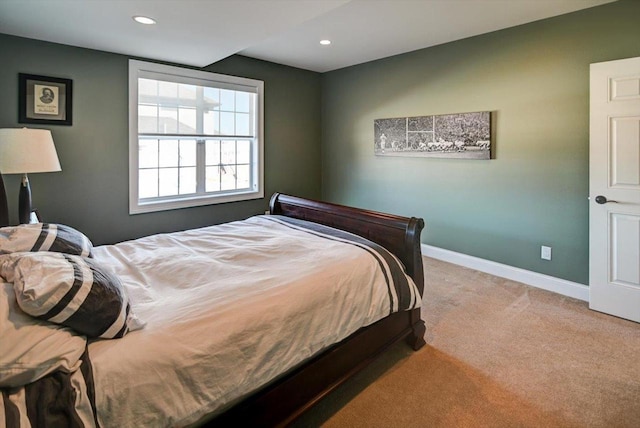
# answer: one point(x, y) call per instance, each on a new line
point(44, 100)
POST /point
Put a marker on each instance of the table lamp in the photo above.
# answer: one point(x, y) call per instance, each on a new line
point(24, 151)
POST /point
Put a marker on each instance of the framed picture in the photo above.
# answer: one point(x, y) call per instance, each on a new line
point(456, 136)
point(44, 100)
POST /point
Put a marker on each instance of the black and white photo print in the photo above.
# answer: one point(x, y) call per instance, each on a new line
point(461, 135)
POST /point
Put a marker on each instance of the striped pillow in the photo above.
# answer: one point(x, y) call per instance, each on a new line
point(44, 237)
point(70, 290)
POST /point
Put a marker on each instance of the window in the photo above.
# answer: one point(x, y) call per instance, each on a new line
point(195, 138)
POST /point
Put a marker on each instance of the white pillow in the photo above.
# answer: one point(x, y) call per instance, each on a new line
point(30, 348)
point(70, 290)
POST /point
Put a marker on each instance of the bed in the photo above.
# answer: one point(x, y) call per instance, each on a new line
point(301, 352)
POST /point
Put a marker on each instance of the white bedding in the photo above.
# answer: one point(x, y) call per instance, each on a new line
point(227, 308)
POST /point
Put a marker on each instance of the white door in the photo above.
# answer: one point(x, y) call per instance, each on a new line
point(614, 188)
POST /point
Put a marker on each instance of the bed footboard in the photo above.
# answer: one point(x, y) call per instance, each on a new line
point(400, 235)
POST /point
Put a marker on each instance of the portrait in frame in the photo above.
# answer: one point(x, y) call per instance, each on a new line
point(44, 100)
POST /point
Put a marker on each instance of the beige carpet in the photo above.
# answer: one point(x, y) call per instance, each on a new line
point(498, 354)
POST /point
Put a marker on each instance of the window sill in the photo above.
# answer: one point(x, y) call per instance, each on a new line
point(136, 207)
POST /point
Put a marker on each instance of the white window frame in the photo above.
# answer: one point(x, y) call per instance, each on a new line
point(184, 75)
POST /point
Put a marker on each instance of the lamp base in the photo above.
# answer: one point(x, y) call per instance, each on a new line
point(4, 208)
point(24, 201)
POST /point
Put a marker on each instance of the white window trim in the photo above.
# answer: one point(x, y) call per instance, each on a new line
point(138, 207)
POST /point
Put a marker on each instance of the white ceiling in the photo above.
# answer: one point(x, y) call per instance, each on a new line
point(201, 32)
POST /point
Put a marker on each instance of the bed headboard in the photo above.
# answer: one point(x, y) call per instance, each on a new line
point(400, 235)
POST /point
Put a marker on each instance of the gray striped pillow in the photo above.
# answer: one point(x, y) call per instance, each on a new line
point(70, 290)
point(44, 237)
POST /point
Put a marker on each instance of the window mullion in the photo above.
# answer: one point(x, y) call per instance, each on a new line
point(179, 163)
point(201, 175)
point(253, 170)
point(201, 146)
point(158, 168)
point(200, 110)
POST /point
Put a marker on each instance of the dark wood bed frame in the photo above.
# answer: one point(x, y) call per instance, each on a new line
point(285, 399)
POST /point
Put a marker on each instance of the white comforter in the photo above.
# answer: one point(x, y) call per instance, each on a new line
point(227, 308)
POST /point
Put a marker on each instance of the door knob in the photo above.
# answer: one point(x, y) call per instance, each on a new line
point(603, 200)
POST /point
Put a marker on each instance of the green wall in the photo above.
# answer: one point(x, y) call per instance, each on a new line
point(91, 192)
point(319, 138)
point(535, 78)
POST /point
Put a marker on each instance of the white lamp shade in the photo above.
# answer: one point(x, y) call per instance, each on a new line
point(24, 150)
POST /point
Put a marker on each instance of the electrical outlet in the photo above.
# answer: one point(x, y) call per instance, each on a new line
point(545, 253)
point(267, 212)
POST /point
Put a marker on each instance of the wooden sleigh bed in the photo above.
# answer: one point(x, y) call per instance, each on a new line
point(289, 394)
point(287, 398)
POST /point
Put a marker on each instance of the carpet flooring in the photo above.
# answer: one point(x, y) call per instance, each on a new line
point(499, 354)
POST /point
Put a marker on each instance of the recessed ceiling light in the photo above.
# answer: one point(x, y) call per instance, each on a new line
point(325, 42)
point(144, 20)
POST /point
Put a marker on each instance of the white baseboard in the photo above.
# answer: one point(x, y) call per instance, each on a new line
point(539, 280)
